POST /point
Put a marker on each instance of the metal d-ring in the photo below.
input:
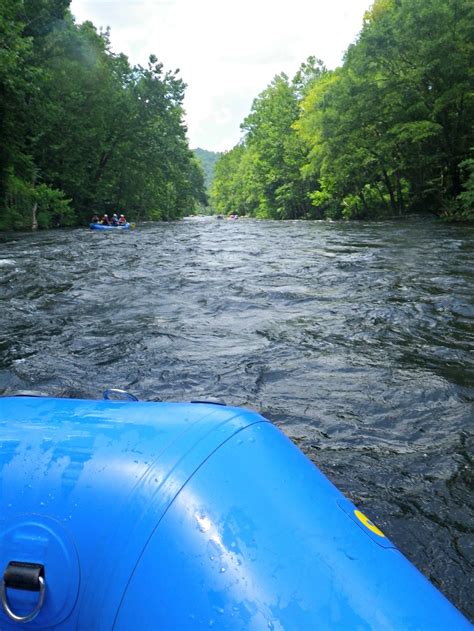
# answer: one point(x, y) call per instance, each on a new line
point(30, 616)
point(122, 393)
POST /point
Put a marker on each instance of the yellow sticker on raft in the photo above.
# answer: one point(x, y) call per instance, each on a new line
point(367, 523)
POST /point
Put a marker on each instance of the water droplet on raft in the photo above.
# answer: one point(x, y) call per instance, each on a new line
point(222, 570)
point(204, 522)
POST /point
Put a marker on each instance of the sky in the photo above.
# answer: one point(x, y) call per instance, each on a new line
point(228, 51)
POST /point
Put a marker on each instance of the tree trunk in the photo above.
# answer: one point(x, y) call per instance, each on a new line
point(384, 201)
point(401, 204)
point(388, 185)
point(456, 187)
point(364, 203)
point(34, 222)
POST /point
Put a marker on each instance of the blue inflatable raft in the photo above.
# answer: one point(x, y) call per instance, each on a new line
point(127, 515)
point(100, 226)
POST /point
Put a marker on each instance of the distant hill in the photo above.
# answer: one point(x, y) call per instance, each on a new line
point(208, 159)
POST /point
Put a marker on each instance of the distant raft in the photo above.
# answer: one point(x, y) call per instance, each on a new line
point(100, 226)
point(129, 515)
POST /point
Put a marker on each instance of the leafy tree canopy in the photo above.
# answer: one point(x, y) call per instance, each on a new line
point(388, 133)
point(82, 130)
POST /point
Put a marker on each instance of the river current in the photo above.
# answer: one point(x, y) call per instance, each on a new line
point(356, 339)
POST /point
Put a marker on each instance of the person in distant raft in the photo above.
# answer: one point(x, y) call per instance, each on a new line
point(115, 220)
point(122, 221)
point(105, 220)
point(95, 219)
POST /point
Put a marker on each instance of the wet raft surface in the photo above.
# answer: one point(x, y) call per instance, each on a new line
point(355, 339)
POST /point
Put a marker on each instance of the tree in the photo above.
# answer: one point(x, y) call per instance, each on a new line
point(208, 161)
point(266, 180)
point(389, 130)
point(82, 130)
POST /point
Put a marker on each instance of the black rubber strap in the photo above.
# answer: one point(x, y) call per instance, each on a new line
point(25, 576)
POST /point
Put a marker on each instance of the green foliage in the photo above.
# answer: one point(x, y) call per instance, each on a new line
point(78, 123)
point(54, 209)
point(386, 134)
point(262, 177)
point(19, 201)
point(464, 210)
point(226, 196)
point(26, 203)
point(208, 160)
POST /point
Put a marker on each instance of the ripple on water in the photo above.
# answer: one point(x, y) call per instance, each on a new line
point(356, 339)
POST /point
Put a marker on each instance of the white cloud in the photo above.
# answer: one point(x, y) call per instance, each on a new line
point(228, 51)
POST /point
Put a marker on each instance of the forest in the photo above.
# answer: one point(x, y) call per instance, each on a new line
point(388, 133)
point(83, 131)
point(208, 161)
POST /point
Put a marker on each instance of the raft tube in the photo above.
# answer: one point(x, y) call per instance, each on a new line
point(100, 226)
point(129, 515)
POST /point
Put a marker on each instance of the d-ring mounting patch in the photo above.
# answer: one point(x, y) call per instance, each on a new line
point(38, 553)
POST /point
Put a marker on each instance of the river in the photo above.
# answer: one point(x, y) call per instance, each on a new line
point(356, 339)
